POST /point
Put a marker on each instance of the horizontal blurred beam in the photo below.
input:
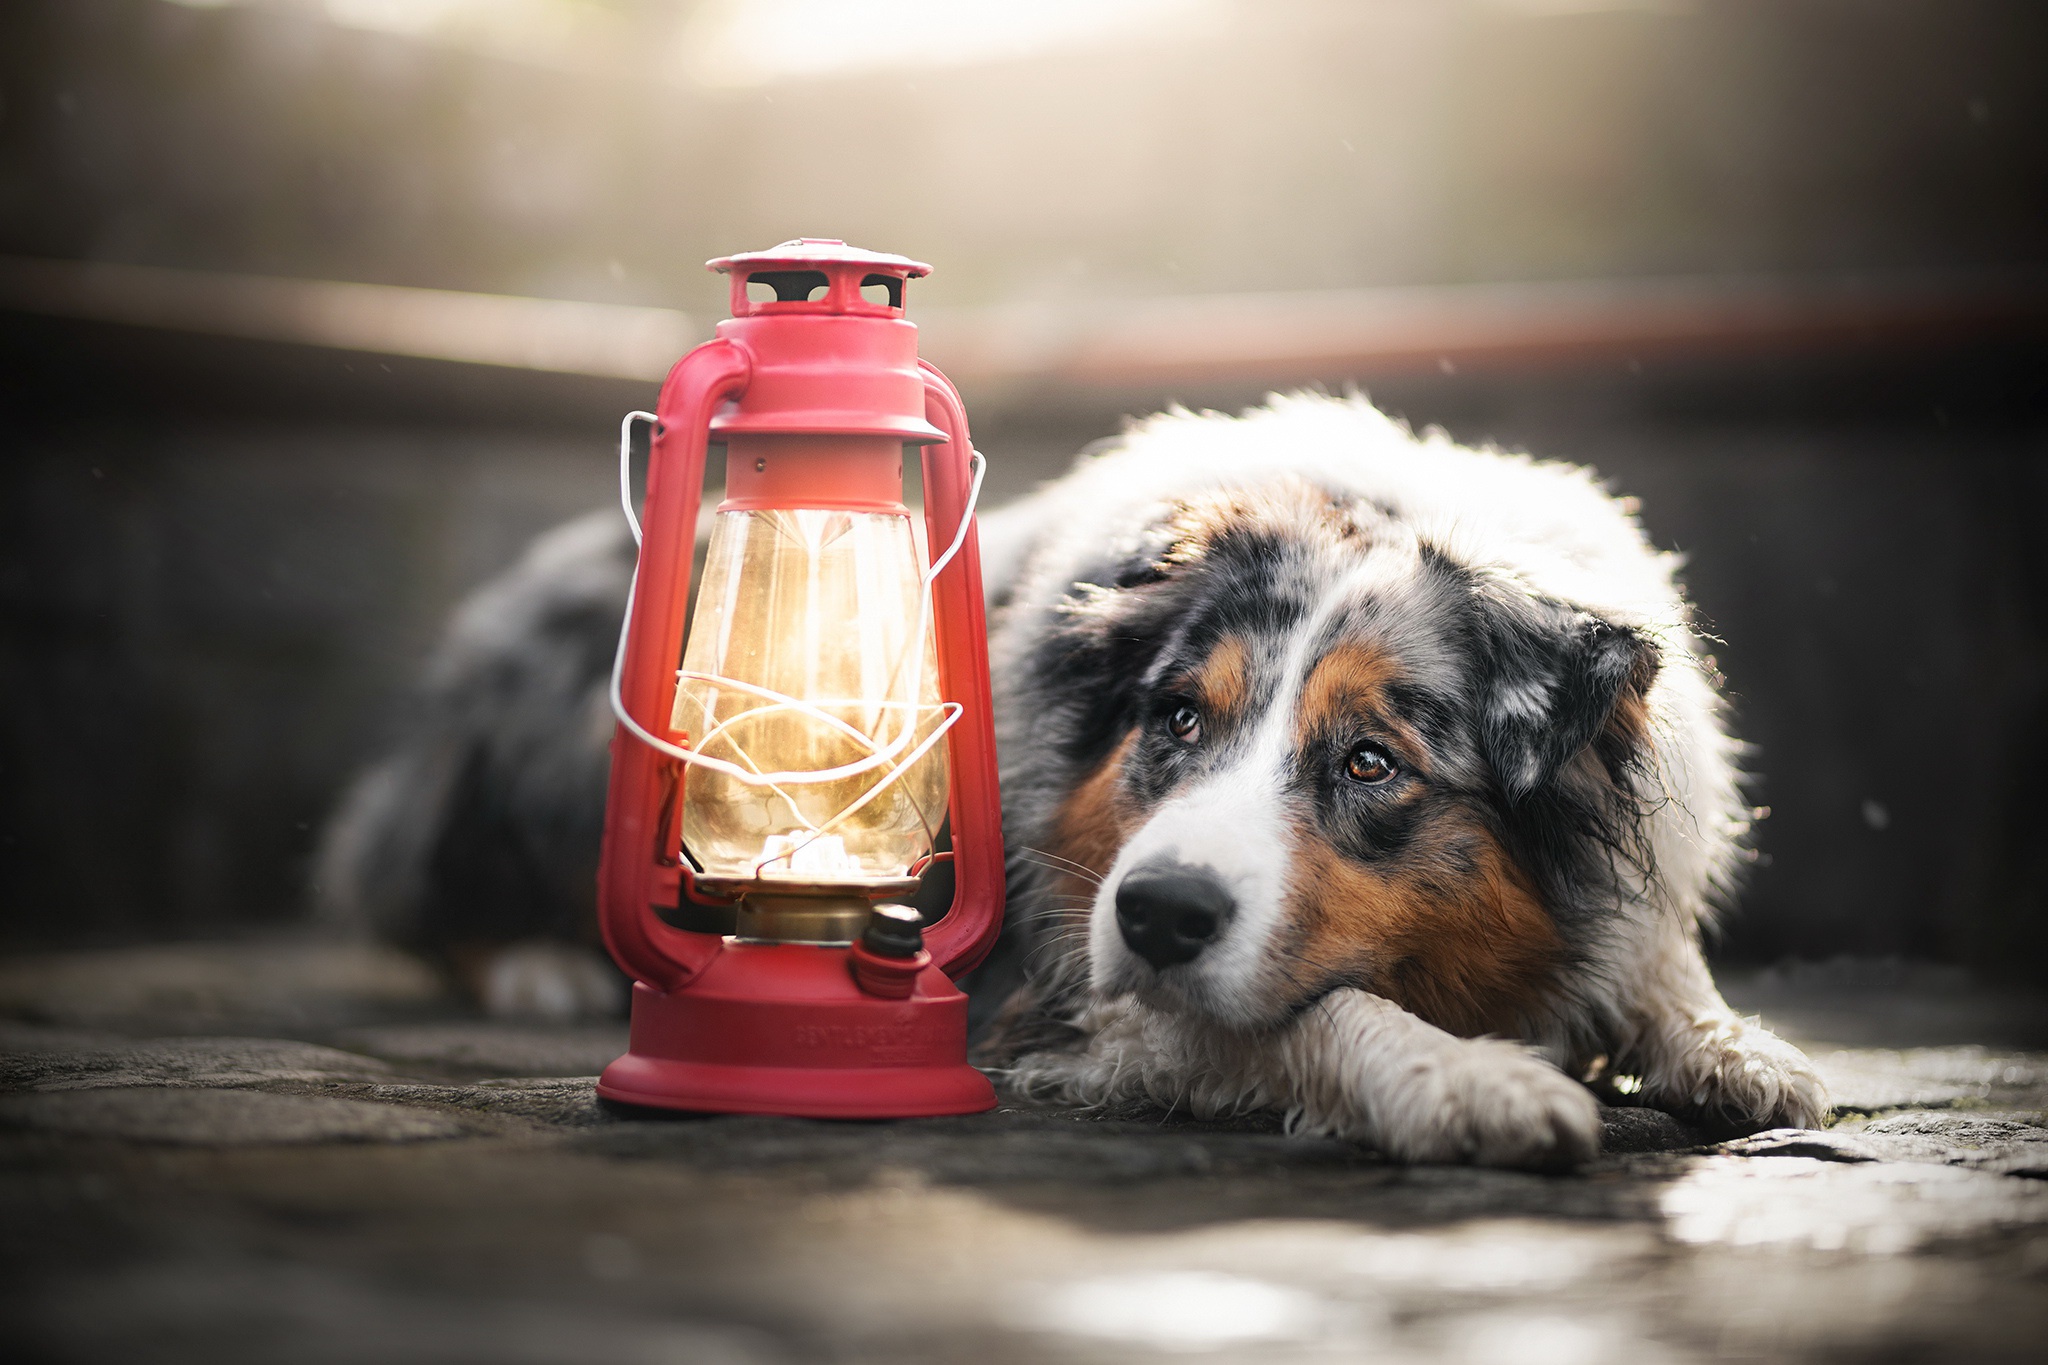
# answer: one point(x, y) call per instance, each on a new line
point(558, 336)
point(1165, 344)
point(1044, 353)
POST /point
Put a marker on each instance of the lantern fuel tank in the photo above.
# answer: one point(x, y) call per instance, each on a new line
point(783, 768)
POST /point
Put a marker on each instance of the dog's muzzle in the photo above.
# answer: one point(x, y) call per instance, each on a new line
point(1168, 913)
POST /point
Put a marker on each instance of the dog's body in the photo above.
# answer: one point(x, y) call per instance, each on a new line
point(1333, 760)
point(1327, 750)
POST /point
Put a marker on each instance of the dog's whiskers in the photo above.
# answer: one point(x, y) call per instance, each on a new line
point(1047, 912)
point(1063, 948)
point(1056, 863)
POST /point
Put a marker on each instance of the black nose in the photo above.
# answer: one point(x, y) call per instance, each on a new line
point(1169, 914)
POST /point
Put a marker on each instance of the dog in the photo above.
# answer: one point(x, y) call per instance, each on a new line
point(1353, 775)
point(1367, 778)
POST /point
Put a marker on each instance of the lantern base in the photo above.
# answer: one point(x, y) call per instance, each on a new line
point(782, 1028)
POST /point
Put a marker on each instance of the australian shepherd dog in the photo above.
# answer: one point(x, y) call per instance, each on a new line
point(1361, 777)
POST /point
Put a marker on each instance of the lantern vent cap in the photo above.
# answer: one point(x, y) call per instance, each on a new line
point(815, 252)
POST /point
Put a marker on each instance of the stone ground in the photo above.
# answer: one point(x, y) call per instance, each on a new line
point(268, 1151)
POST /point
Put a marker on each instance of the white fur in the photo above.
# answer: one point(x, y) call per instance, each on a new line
point(1357, 1065)
point(1234, 824)
point(1230, 824)
point(546, 980)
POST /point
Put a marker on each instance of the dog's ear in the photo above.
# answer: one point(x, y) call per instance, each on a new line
point(1096, 647)
point(1123, 608)
point(1102, 637)
point(1557, 679)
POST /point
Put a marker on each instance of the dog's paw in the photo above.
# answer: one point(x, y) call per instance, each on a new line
point(557, 982)
point(1742, 1077)
point(1061, 1078)
point(1480, 1102)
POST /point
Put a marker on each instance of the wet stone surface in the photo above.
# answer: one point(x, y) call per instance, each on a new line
point(335, 1167)
point(497, 1049)
point(216, 1118)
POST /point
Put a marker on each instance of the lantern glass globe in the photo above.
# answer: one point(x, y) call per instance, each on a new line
point(810, 667)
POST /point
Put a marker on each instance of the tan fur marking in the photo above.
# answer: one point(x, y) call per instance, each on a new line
point(1630, 719)
point(1451, 930)
point(1345, 682)
point(1628, 727)
point(1223, 682)
point(1471, 951)
point(1289, 506)
point(1094, 822)
point(1089, 830)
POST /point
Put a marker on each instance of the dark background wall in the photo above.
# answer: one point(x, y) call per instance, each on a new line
point(221, 560)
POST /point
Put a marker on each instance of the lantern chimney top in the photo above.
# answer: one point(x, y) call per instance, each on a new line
point(818, 275)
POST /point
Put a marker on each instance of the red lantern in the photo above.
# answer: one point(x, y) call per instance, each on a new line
point(779, 780)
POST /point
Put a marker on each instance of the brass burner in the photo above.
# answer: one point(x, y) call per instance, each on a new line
point(783, 910)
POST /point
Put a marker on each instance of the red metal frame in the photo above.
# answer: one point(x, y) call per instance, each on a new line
point(722, 1025)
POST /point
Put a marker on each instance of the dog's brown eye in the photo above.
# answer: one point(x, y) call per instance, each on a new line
point(1185, 722)
point(1370, 764)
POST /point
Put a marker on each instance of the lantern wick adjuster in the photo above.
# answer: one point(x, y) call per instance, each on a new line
point(891, 952)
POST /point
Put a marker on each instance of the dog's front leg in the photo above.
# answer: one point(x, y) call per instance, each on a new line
point(1360, 1066)
point(1697, 1057)
point(1134, 1055)
point(1356, 1066)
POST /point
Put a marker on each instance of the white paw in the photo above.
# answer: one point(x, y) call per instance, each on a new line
point(1060, 1078)
point(1475, 1101)
point(1745, 1072)
point(556, 982)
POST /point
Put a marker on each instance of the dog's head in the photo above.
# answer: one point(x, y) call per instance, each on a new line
point(1312, 751)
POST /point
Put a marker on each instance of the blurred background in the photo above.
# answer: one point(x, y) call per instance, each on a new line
point(313, 312)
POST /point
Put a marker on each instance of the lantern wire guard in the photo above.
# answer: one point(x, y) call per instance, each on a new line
point(899, 754)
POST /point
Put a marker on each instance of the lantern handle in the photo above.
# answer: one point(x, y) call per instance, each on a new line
point(626, 467)
point(952, 485)
point(628, 880)
point(966, 520)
